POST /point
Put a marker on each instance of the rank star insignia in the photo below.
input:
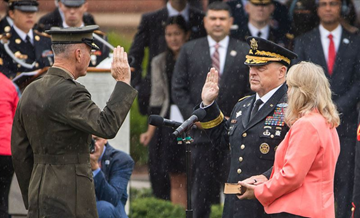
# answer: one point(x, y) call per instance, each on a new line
point(238, 114)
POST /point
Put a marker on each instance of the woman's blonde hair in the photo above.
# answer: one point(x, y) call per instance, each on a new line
point(309, 89)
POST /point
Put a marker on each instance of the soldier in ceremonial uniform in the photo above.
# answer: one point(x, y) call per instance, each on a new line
point(50, 137)
point(73, 16)
point(256, 125)
point(259, 23)
point(31, 49)
point(6, 22)
point(56, 17)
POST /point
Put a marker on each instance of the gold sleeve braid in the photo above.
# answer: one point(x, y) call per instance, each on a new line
point(213, 123)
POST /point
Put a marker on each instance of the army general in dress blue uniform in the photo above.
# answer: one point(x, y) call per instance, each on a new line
point(256, 125)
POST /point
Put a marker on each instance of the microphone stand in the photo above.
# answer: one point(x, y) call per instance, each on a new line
point(187, 140)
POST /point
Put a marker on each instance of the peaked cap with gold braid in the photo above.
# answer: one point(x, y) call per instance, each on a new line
point(263, 52)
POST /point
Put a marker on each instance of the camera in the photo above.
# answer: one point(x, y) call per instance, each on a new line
point(92, 146)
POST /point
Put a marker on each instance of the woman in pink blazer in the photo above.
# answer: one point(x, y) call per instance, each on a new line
point(302, 179)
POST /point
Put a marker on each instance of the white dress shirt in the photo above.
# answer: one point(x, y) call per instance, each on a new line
point(67, 26)
point(23, 35)
point(222, 50)
point(325, 41)
point(10, 21)
point(173, 12)
point(267, 96)
point(264, 31)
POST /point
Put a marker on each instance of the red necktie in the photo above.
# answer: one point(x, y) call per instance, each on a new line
point(216, 58)
point(331, 55)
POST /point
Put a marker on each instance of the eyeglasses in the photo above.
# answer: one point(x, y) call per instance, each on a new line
point(331, 4)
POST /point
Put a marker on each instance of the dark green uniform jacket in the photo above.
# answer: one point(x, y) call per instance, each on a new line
point(50, 141)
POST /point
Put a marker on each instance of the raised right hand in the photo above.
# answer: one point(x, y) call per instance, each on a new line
point(210, 89)
point(120, 68)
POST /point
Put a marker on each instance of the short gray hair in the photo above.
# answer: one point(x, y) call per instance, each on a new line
point(60, 48)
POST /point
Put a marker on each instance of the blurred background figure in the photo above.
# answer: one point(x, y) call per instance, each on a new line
point(279, 17)
point(337, 51)
point(73, 13)
point(9, 97)
point(56, 18)
point(31, 48)
point(168, 155)
point(112, 169)
point(6, 22)
point(150, 34)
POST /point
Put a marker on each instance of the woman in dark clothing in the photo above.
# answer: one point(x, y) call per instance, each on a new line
point(166, 153)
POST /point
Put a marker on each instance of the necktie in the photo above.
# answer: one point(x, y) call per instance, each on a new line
point(259, 34)
point(28, 40)
point(256, 108)
point(216, 58)
point(331, 55)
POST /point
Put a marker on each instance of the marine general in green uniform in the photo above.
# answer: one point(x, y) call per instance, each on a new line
point(53, 125)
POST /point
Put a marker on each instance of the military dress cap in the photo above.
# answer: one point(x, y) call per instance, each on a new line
point(260, 2)
point(73, 35)
point(263, 52)
point(73, 3)
point(23, 5)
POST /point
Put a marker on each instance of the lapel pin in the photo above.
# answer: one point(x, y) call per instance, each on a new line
point(271, 105)
point(233, 53)
point(107, 162)
point(346, 41)
point(238, 6)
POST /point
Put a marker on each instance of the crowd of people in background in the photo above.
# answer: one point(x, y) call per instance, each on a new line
point(185, 39)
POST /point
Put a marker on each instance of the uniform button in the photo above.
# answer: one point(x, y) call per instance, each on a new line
point(244, 134)
point(272, 136)
point(241, 159)
point(239, 171)
point(352, 209)
point(242, 147)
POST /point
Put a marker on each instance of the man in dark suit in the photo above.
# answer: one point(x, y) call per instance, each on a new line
point(210, 166)
point(31, 49)
point(338, 52)
point(151, 34)
point(256, 125)
point(111, 170)
point(55, 18)
point(279, 18)
point(50, 137)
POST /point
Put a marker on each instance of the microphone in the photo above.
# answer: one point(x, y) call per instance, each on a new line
point(157, 120)
point(198, 114)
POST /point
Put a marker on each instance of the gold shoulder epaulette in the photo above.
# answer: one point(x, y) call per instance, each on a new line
point(244, 97)
point(100, 32)
point(42, 34)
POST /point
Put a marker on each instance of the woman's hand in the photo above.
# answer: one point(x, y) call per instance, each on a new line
point(210, 89)
point(147, 136)
point(249, 193)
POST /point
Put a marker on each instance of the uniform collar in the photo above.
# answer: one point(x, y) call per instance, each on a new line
point(268, 95)
point(264, 31)
point(67, 72)
point(67, 26)
point(173, 12)
point(10, 21)
point(23, 35)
